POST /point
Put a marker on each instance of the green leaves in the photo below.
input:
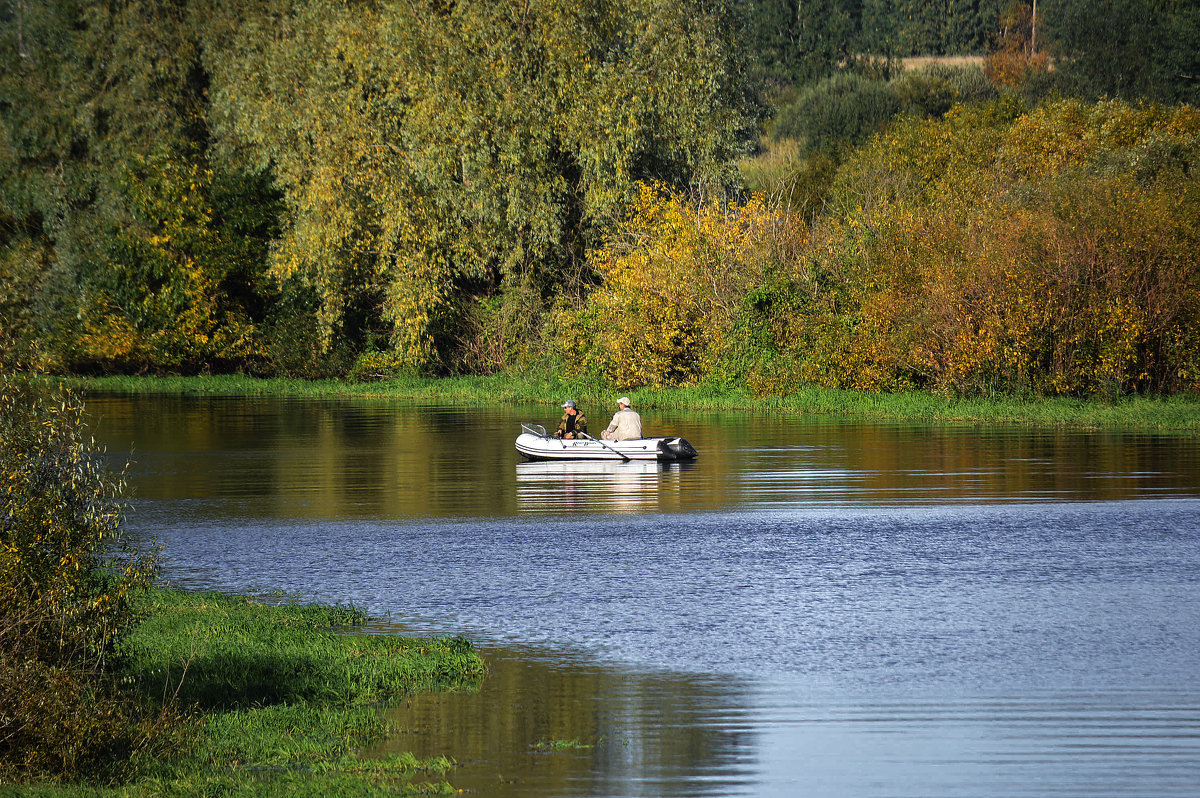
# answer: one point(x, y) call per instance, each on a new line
point(420, 148)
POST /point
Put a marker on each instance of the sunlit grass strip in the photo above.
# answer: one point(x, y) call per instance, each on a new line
point(223, 651)
point(278, 700)
point(1176, 413)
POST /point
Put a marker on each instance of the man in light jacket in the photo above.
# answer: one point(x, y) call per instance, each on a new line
point(626, 425)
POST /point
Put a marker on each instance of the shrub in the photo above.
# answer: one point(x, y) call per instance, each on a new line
point(932, 91)
point(65, 588)
point(789, 180)
point(1051, 251)
point(675, 277)
point(500, 331)
point(843, 109)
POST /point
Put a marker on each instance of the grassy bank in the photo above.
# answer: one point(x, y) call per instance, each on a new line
point(274, 699)
point(1177, 413)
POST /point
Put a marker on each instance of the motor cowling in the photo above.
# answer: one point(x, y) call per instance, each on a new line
point(675, 449)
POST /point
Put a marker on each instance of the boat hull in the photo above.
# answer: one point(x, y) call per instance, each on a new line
point(536, 447)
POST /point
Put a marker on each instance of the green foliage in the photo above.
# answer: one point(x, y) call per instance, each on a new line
point(1127, 48)
point(843, 109)
point(421, 147)
point(283, 700)
point(65, 590)
point(500, 332)
point(796, 183)
point(934, 90)
point(802, 42)
point(165, 294)
point(1178, 412)
point(131, 249)
point(847, 109)
point(318, 188)
point(560, 745)
point(218, 651)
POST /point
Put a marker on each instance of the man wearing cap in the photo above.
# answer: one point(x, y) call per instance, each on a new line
point(626, 425)
point(573, 422)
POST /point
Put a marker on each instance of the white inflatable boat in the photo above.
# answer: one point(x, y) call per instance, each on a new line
point(535, 444)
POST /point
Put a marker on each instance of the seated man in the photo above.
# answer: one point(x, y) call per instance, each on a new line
point(573, 423)
point(626, 425)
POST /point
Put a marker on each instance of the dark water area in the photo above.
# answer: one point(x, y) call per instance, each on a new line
point(815, 606)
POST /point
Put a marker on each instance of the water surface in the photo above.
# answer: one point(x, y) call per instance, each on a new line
point(814, 607)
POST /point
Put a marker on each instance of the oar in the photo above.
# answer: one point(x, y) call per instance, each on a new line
point(622, 455)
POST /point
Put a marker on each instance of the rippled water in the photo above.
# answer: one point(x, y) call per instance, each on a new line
point(814, 607)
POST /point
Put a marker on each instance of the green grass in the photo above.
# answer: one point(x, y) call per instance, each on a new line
point(1176, 413)
point(274, 700)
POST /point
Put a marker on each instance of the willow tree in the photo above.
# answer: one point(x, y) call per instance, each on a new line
point(424, 146)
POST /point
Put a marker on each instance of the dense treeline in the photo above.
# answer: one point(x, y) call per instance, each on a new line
point(363, 187)
point(275, 186)
point(1125, 48)
point(797, 41)
point(996, 249)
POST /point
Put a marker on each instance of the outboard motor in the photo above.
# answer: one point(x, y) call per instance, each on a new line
point(675, 449)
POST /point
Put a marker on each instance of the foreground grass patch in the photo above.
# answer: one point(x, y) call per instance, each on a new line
point(277, 700)
point(220, 651)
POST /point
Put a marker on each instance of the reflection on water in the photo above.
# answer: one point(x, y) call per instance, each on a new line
point(645, 733)
point(377, 459)
point(813, 607)
point(549, 486)
point(634, 732)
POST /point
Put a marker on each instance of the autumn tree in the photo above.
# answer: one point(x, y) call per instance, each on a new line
point(425, 148)
point(1014, 55)
point(120, 246)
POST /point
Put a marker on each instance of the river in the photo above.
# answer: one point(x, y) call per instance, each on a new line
point(815, 606)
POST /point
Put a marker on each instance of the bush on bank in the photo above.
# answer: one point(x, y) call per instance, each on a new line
point(66, 586)
point(996, 250)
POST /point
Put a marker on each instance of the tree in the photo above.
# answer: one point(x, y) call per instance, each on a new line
point(1015, 57)
point(423, 148)
point(1127, 48)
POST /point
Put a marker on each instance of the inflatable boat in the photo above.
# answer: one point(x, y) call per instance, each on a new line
point(535, 444)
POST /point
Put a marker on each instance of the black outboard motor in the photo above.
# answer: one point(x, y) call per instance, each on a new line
point(675, 449)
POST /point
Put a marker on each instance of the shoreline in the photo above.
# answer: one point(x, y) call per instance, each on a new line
point(1176, 414)
point(269, 695)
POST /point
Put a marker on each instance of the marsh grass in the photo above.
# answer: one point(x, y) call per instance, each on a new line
point(276, 699)
point(573, 744)
point(1179, 413)
point(219, 651)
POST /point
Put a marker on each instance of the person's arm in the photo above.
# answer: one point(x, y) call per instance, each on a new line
point(581, 423)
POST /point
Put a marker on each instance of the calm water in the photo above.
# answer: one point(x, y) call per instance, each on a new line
point(814, 607)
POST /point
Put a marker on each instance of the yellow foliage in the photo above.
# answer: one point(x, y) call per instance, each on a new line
point(675, 275)
point(1052, 252)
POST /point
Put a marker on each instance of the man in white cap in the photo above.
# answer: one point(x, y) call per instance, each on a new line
point(626, 425)
point(573, 421)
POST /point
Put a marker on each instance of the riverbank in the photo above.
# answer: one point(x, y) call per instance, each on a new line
point(1175, 414)
point(271, 697)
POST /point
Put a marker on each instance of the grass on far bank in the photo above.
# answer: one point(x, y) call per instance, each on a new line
point(275, 700)
point(1179, 413)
